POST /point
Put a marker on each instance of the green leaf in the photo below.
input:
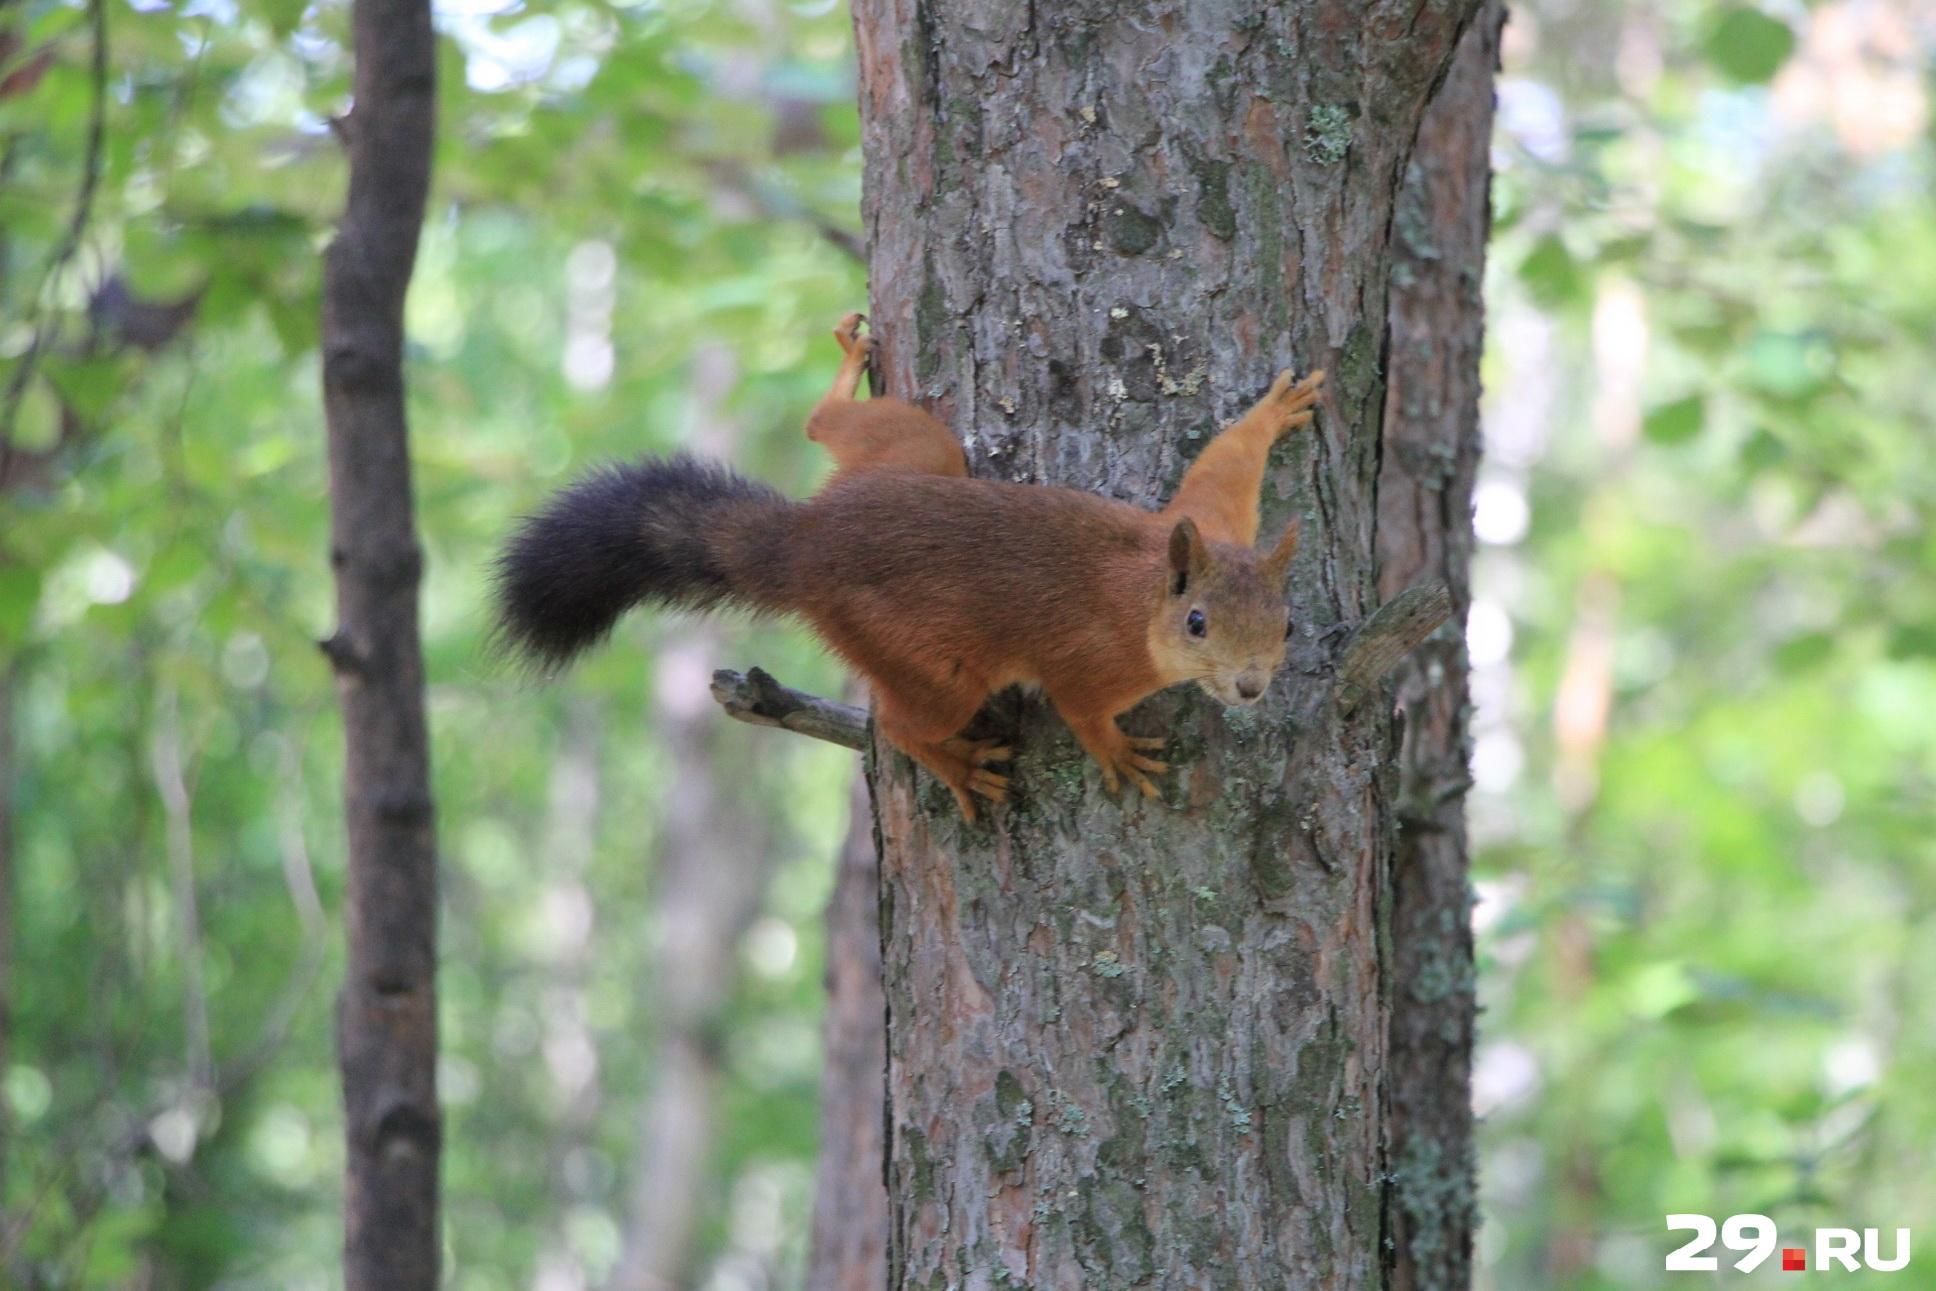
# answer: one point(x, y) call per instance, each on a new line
point(37, 425)
point(90, 386)
point(1804, 651)
point(1676, 422)
point(1550, 272)
point(283, 15)
point(19, 596)
point(1762, 450)
point(297, 322)
point(1748, 46)
point(158, 264)
point(1913, 641)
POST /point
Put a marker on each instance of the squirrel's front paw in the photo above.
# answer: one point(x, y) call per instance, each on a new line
point(1291, 400)
point(1125, 763)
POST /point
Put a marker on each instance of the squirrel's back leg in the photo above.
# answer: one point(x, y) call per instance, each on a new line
point(855, 350)
point(925, 721)
point(879, 432)
point(1090, 702)
point(1220, 489)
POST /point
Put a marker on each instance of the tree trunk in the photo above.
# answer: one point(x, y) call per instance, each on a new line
point(1146, 1043)
point(1430, 454)
point(710, 877)
point(568, 1042)
point(387, 1013)
point(849, 1201)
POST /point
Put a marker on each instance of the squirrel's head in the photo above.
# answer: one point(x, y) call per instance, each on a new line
point(1223, 619)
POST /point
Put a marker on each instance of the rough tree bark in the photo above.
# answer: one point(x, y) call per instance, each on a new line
point(1430, 454)
point(1146, 1043)
point(387, 1012)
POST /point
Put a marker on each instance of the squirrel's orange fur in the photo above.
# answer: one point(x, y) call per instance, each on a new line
point(967, 586)
point(880, 432)
point(938, 588)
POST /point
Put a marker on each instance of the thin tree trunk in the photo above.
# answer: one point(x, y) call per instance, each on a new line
point(387, 1012)
point(571, 1056)
point(1129, 1043)
point(1430, 454)
point(849, 1249)
point(710, 878)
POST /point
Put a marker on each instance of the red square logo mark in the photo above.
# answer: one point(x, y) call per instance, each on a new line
point(1794, 1259)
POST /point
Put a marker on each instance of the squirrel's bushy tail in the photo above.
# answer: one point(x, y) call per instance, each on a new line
point(673, 531)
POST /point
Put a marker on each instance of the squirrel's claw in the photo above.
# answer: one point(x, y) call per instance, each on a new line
point(1289, 396)
point(1125, 763)
point(965, 802)
point(847, 332)
point(989, 785)
point(979, 753)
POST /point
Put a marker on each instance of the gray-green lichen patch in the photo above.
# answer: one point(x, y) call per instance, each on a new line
point(1130, 232)
point(1233, 1108)
point(920, 1165)
point(1011, 1131)
point(1358, 367)
point(1066, 1114)
point(1443, 969)
point(1434, 1191)
point(1111, 1224)
point(930, 316)
point(1327, 134)
point(1214, 208)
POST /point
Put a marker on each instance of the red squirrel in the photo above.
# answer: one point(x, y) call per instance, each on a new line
point(938, 588)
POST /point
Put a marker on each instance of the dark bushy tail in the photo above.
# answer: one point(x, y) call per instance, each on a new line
point(675, 532)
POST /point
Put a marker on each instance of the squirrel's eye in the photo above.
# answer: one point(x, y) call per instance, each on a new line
point(1197, 624)
point(1288, 625)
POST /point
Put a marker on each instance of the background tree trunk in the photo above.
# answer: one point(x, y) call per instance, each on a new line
point(1430, 455)
point(574, 803)
point(849, 1201)
point(1138, 1043)
point(387, 1014)
point(711, 873)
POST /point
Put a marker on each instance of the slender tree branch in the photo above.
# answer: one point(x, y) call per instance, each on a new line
point(756, 698)
point(70, 243)
point(171, 782)
point(776, 203)
point(1394, 630)
point(1397, 628)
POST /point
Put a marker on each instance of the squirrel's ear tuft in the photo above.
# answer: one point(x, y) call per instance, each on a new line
point(1278, 564)
point(1188, 556)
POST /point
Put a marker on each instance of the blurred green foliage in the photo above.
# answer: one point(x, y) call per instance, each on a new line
point(636, 189)
point(1706, 790)
point(1703, 635)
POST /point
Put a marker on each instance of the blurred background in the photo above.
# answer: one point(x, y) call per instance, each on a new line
point(1704, 635)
